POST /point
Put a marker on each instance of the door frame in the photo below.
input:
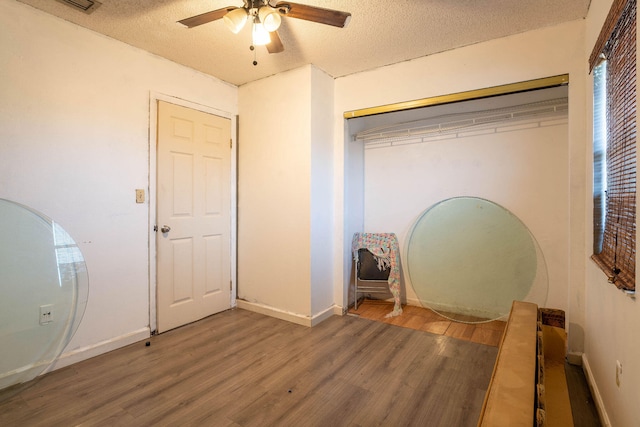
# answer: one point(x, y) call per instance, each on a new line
point(154, 97)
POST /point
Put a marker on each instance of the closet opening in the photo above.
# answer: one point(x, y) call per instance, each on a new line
point(476, 188)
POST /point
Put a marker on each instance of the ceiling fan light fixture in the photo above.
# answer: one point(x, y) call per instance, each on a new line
point(260, 35)
point(236, 19)
point(270, 18)
point(265, 18)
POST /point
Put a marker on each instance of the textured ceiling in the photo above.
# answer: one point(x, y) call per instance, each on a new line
point(380, 32)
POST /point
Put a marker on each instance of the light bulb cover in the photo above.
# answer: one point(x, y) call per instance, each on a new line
point(270, 18)
point(261, 36)
point(236, 19)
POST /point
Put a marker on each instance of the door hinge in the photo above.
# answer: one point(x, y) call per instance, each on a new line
point(230, 143)
point(230, 285)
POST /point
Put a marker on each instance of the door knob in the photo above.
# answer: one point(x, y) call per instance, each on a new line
point(165, 229)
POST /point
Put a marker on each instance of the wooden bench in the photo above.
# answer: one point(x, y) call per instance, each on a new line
point(528, 386)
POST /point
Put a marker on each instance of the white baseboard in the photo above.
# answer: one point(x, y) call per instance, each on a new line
point(87, 352)
point(70, 357)
point(324, 315)
point(595, 393)
point(574, 358)
point(296, 318)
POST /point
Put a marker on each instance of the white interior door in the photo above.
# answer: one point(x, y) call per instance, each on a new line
point(193, 239)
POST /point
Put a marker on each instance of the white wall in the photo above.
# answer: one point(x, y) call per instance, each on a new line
point(520, 166)
point(535, 54)
point(612, 321)
point(321, 191)
point(285, 195)
point(274, 198)
point(74, 144)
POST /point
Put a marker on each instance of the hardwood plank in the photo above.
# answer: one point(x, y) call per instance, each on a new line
point(436, 327)
point(460, 330)
point(486, 336)
point(496, 325)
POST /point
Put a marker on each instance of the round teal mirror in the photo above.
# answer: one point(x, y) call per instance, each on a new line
point(44, 288)
point(469, 258)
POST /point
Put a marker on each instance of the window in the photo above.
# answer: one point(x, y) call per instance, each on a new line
point(613, 62)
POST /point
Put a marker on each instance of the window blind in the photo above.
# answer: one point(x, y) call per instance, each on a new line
point(617, 44)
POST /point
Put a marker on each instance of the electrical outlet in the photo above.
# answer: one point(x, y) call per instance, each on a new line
point(139, 196)
point(46, 314)
point(618, 372)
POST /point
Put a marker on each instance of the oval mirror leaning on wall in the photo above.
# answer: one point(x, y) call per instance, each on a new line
point(469, 258)
point(44, 288)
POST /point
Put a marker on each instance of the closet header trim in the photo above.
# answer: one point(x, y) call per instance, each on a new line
point(543, 83)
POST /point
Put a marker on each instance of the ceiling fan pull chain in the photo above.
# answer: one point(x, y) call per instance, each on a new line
point(253, 48)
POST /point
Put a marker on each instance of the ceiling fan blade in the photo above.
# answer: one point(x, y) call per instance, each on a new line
point(314, 14)
point(275, 45)
point(206, 17)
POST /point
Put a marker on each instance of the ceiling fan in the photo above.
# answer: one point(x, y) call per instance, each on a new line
point(266, 18)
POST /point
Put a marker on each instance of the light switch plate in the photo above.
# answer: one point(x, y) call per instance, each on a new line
point(139, 196)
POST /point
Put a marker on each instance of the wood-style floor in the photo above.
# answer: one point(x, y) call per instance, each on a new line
point(239, 368)
point(583, 406)
point(423, 319)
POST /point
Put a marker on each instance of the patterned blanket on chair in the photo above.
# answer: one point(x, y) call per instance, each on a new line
point(384, 247)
